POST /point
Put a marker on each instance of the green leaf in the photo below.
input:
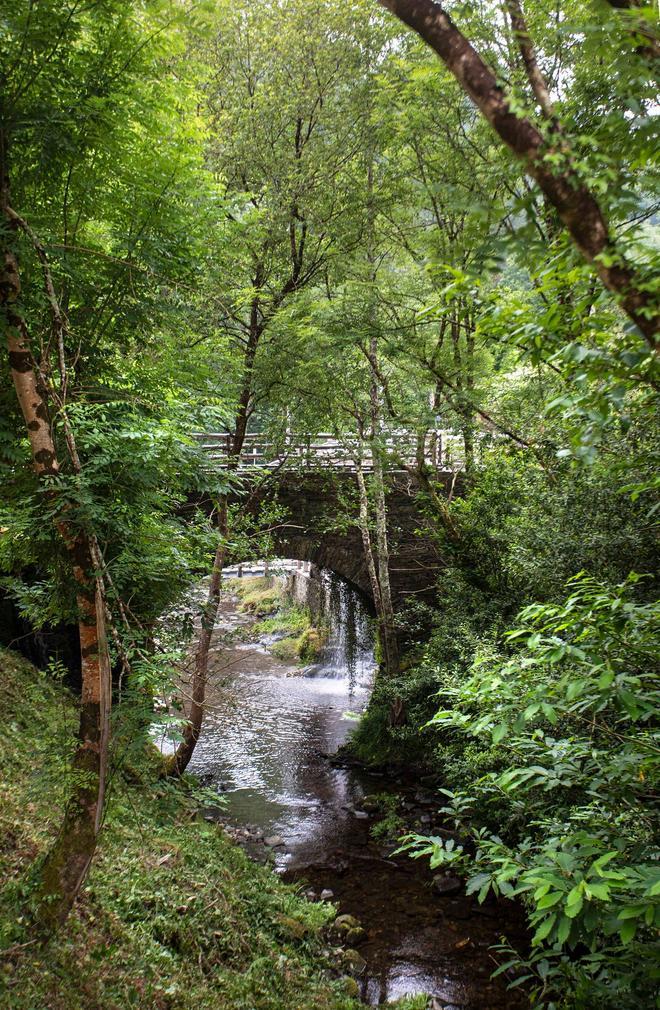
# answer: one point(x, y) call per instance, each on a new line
point(627, 931)
point(543, 930)
point(563, 929)
point(500, 732)
point(550, 899)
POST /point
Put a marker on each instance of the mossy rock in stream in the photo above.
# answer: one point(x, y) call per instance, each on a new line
point(286, 649)
point(305, 647)
point(312, 642)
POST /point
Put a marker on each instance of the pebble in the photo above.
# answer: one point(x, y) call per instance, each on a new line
point(362, 815)
point(327, 894)
point(273, 841)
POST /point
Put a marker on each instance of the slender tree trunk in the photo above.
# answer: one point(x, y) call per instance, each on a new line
point(366, 541)
point(66, 865)
point(464, 381)
point(382, 545)
point(180, 760)
point(576, 205)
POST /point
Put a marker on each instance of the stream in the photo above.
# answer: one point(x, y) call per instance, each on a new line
point(267, 734)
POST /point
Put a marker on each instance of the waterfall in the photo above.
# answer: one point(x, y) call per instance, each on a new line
point(349, 652)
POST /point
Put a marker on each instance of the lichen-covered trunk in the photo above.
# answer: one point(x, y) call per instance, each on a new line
point(66, 864)
point(367, 546)
point(388, 622)
point(464, 381)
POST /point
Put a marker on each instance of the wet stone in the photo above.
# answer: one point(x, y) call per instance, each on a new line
point(354, 962)
point(351, 987)
point(445, 885)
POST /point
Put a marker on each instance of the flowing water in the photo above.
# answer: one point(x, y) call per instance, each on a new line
point(267, 735)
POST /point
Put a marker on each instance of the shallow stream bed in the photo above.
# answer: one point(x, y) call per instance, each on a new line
point(267, 734)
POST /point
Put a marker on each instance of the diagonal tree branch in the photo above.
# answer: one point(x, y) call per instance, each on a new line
point(576, 205)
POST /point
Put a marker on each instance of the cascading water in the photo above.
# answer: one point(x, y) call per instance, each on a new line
point(349, 651)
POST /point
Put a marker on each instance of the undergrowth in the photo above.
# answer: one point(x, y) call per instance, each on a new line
point(173, 915)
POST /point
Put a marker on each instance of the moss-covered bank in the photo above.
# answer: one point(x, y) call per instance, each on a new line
point(173, 915)
point(302, 637)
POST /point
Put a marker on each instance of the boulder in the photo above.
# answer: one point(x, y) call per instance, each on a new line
point(445, 884)
point(351, 987)
point(353, 962)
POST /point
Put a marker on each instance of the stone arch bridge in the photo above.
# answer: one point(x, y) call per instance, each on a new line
point(315, 486)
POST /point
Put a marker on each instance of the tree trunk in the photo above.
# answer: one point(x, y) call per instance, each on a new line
point(390, 640)
point(577, 207)
point(66, 865)
point(464, 382)
point(366, 541)
point(180, 760)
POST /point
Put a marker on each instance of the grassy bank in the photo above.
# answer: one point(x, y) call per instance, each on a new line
point(173, 915)
point(302, 637)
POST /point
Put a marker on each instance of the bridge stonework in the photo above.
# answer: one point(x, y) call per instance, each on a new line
point(318, 525)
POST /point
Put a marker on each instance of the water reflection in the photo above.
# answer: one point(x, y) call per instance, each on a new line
point(268, 727)
point(267, 730)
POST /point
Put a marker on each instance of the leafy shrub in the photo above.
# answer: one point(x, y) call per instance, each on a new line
point(571, 722)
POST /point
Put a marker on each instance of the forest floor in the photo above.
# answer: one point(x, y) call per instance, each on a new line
point(173, 914)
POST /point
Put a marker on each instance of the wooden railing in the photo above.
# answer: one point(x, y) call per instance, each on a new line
point(441, 449)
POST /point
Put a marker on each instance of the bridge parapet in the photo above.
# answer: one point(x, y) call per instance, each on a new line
point(440, 449)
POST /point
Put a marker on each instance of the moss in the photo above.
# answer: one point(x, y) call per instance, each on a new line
point(305, 640)
point(312, 642)
point(288, 618)
point(286, 649)
point(173, 915)
point(260, 595)
point(305, 647)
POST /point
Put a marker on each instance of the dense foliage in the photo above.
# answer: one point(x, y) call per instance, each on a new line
point(292, 218)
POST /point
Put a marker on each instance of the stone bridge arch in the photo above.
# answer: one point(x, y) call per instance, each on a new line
point(312, 528)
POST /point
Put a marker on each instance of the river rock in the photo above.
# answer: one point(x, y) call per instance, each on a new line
point(327, 894)
point(351, 987)
point(353, 962)
point(361, 814)
point(356, 936)
point(345, 922)
point(445, 884)
point(273, 841)
point(370, 804)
